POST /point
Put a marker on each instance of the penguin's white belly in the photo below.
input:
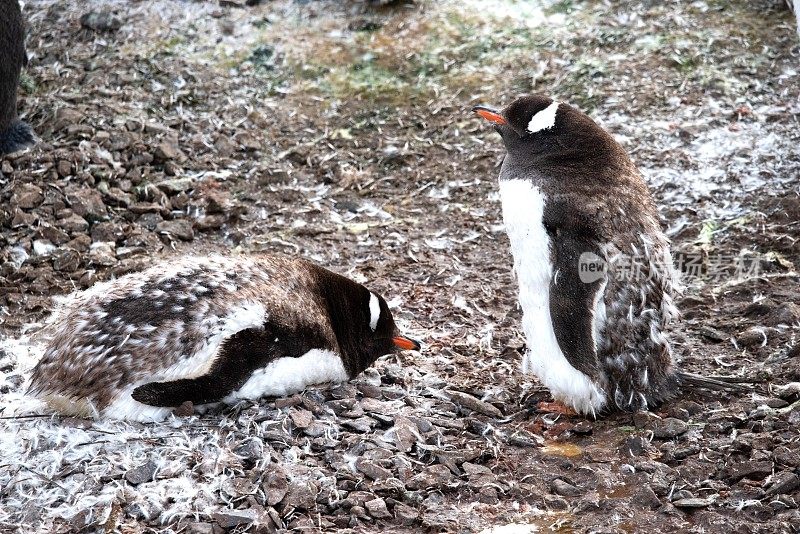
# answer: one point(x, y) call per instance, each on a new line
point(290, 375)
point(523, 211)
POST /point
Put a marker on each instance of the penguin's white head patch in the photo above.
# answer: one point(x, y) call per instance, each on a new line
point(374, 311)
point(544, 119)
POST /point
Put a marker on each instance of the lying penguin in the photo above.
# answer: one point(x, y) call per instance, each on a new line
point(14, 134)
point(575, 208)
point(209, 329)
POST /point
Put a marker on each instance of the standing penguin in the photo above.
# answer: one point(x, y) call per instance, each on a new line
point(208, 329)
point(14, 134)
point(576, 208)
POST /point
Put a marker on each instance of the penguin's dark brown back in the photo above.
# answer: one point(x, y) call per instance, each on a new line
point(573, 148)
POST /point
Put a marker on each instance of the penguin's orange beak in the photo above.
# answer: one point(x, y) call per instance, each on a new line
point(489, 114)
point(406, 343)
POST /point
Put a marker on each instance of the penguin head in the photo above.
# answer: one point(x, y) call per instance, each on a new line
point(382, 334)
point(360, 320)
point(556, 139)
point(536, 123)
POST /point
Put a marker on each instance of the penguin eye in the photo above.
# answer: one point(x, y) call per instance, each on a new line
point(550, 229)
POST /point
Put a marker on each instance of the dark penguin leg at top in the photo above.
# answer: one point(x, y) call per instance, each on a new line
point(14, 134)
point(239, 356)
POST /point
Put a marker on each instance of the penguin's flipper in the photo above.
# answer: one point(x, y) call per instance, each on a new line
point(577, 284)
point(573, 300)
point(239, 355)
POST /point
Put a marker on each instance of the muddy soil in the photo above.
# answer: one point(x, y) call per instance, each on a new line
point(341, 131)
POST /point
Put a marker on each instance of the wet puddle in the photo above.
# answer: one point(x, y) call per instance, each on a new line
point(565, 449)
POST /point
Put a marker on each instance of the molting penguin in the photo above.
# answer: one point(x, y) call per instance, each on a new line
point(14, 134)
point(576, 209)
point(208, 329)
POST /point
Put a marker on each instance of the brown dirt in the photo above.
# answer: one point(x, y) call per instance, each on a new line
point(341, 132)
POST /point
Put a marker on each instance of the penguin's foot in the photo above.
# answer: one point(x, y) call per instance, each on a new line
point(555, 407)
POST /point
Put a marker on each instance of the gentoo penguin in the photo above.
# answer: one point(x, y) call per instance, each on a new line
point(208, 329)
point(14, 134)
point(576, 209)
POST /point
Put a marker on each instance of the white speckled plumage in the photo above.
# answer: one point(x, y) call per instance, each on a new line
point(169, 322)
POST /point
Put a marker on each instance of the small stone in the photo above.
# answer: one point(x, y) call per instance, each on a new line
point(209, 222)
point(783, 482)
point(377, 508)
point(176, 185)
point(669, 428)
point(583, 428)
point(185, 409)
point(751, 470)
point(52, 234)
point(73, 224)
point(300, 417)
point(646, 498)
point(786, 456)
point(693, 502)
point(88, 203)
point(302, 494)
point(22, 219)
point(713, 334)
point(476, 405)
point(752, 337)
point(233, 518)
point(776, 403)
point(488, 495)
point(27, 196)
point(123, 253)
point(167, 151)
point(677, 495)
point(645, 419)
point(373, 470)
point(404, 432)
point(434, 476)
point(224, 147)
point(66, 261)
point(147, 207)
point(64, 168)
point(179, 228)
point(275, 486)
point(118, 197)
point(523, 438)
point(788, 392)
point(634, 446)
point(405, 514)
point(200, 528)
point(564, 488)
point(107, 231)
point(370, 391)
point(362, 424)
point(101, 21)
point(787, 313)
point(476, 470)
point(316, 430)
point(285, 402)
point(102, 254)
point(247, 142)
point(143, 473)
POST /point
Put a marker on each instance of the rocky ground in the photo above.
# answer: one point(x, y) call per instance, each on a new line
point(341, 131)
